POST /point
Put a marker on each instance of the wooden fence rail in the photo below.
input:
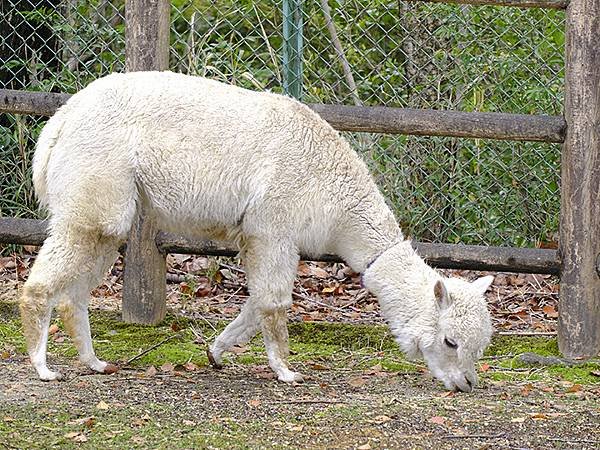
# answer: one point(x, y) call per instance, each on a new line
point(372, 119)
point(578, 257)
point(444, 256)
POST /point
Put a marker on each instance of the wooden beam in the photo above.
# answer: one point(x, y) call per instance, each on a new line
point(579, 305)
point(445, 256)
point(373, 119)
point(429, 122)
point(22, 231)
point(144, 286)
point(493, 259)
point(550, 4)
point(30, 102)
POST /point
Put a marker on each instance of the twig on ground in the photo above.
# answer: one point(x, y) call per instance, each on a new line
point(199, 336)
point(234, 294)
point(293, 402)
point(176, 278)
point(575, 441)
point(149, 349)
point(208, 322)
point(233, 268)
point(316, 302)
point(527, 333)
point(474, 436)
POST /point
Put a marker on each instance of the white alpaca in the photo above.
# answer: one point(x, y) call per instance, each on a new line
point(258, 169)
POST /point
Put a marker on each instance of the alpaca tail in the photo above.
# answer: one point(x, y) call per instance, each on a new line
point(43, 152)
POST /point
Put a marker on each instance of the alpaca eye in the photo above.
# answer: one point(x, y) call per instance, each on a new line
point(450, 343)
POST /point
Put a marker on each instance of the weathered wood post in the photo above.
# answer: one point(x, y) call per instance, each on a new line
point(144, 285)
point(579, 320)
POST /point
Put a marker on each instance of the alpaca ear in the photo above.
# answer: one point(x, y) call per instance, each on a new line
point(482, 284)
point(441, 295)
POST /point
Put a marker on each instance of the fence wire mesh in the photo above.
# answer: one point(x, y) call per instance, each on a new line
point(361, 52)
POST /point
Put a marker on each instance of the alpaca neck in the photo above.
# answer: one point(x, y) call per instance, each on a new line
point(407, 303)
point(367, 237)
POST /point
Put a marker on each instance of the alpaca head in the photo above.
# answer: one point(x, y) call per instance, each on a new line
point(461, 331)
point(444, 320)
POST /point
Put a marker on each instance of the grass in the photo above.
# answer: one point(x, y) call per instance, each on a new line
point(62, 427)
point(328, 345)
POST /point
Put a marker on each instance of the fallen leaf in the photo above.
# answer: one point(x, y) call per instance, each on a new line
point(303, 269)
point(138, 439)
point(439, 420)
point(8, 419)
point(137, 422)
point(88, 422)
point(377, 369)
point(328, 289)
point(264, 372)
point(484, 367)
point(550, 311)
point(167, 367)
point(190, 366)
point(189, 423)
point(539, 416)
point(296, 428)
point(366, 446)
point(150, 372)
point(254, 403)
point(573, 389)
point(378, 420)
point(185, 288)
point(518, 420)
point(76, 436)
point(357, 382)
point(318, 272)
point(102, 405)
point(318, 366)
point(53, 329)
point(176, 326)
point(5, 354)
point(526, 390)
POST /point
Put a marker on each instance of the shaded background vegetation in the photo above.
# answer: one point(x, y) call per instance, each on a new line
point(399, 53)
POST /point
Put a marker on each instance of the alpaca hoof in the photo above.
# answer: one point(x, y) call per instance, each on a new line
point(213, 362)
point(291, 377)
point(48, 375)
point(110, 368)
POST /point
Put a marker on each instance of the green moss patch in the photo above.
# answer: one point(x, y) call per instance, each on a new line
point(320, 346)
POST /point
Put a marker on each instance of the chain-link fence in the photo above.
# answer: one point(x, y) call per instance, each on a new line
point(364, 52)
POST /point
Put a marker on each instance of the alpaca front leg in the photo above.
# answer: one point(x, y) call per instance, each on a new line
point(238, 332)
point(275, 335)
point(35, 317)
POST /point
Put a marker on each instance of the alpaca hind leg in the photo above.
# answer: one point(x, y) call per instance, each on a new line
point(36, 310)
point(40, 294)
point(60, 264)
point(73, 309)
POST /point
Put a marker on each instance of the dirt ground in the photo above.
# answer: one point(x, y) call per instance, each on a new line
point(346, 401)
point(238, 408)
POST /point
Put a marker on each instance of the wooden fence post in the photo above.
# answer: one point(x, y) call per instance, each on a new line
point(579, 320)
point(144, 282)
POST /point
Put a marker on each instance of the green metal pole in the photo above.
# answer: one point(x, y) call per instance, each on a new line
point(292, 47)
